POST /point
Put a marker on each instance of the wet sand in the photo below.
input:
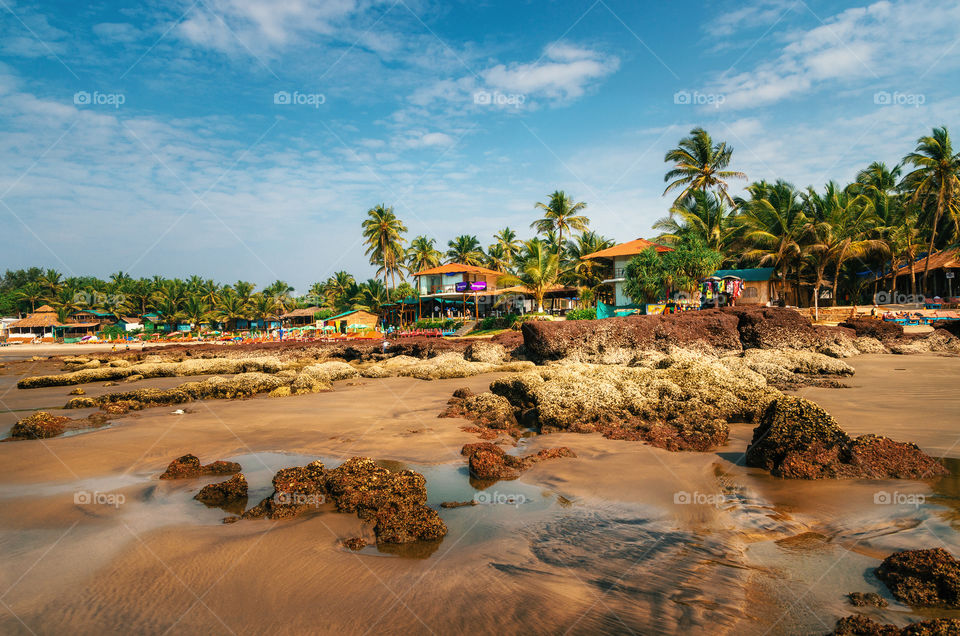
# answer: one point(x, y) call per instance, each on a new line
point(605, 542)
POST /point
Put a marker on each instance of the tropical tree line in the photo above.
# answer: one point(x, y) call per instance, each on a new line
point(841, 238)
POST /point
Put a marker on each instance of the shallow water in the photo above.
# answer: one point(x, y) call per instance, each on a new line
point(600, 543)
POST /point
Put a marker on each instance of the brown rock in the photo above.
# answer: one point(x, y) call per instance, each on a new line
point(863, 599)
point(188, 466)
point(40, 425)
point(923, 578)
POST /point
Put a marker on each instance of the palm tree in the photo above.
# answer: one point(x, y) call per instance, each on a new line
point(231, 308)
point(538, 271)
point(265, 305)
point(466, 250)
point(506, 240)
point(141, 294)
point(369, 296)
point(585, 273)
point(196, 311)
point(561, 213)
point(52, 282)
point(422, 254)
point(838, 225)
point(935, 181)
point(703, 216)
point(244, 290)
point(31, 293)
point(906, 241)
point(337, 288)
point(700, 164)
point(383, 233)
point(497, 258)
point(773, 220)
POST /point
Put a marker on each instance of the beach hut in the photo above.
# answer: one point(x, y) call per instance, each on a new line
point(42, 324)
point(299, 317)
point(358, 319)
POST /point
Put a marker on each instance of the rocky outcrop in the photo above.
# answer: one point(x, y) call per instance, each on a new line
point(881, 330)
point(796, 439)
point(864, 599)
point(489, 462)
point(394, 501)
point(860, 625)
point(485, 351)
point(683, 403)
point(189, 467)
point(40, 425)
point(923, 578)
point(231, 494)
point(485, 409)
point(209, 366)
point(937, 341)
point(296, 490)
point(618, 340)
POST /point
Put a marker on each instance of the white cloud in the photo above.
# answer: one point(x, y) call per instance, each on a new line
point(564, 72)
point(881, 42)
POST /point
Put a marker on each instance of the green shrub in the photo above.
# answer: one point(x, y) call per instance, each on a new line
point(446, 324)
point(497, 322)
point(589, 313)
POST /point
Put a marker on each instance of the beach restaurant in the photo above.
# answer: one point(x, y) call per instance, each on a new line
point(356, 320)
point(44, 324)
point(616, 259)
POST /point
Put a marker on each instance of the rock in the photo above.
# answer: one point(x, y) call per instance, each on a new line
point(860, 625)
point(188, 466)
point(395, 502)
point(796, 439)
point(296, 490)
point(458, 504)
point(230, 492)
point(133, 378)
point(922, 578)
point(618, 340)
point(78, 391)
point(40, 425)
point(872, 328)
point(354, 543)
point(683, 404)
point(486, 409)
point(399, 523)
point(866, 344)
point(877, 457)
point(489, 462)
point(483, 351)
point(121, 407)
point(938, 341)
point(863, 599)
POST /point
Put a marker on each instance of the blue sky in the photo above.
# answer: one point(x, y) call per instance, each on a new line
point(239, 139)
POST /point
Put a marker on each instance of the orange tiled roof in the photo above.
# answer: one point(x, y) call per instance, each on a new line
point(458, 268)
point(630, 248)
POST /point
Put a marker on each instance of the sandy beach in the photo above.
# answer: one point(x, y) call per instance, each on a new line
point(600, 542)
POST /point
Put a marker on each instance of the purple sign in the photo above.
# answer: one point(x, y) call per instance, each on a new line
point(475, 286)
